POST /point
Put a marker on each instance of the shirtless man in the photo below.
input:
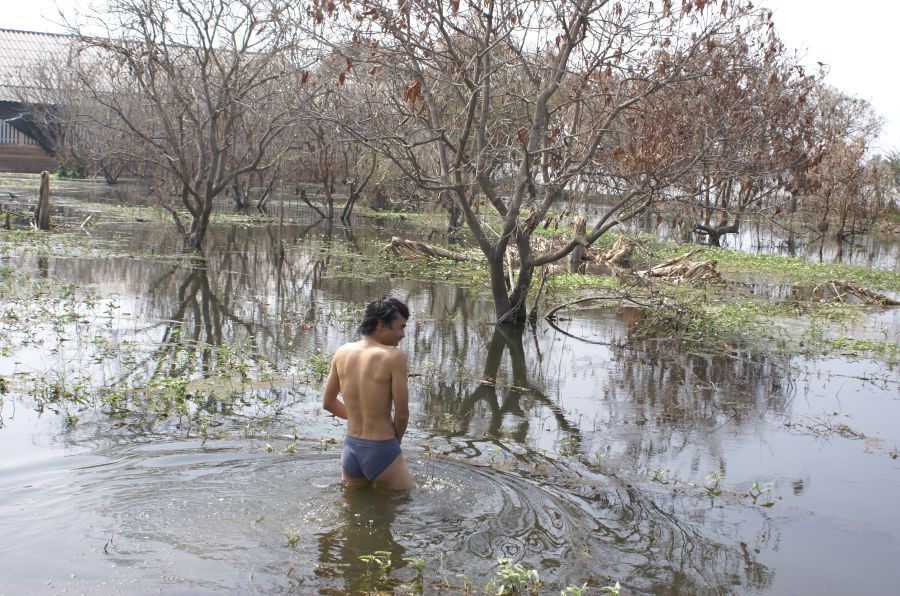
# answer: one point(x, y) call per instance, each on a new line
point(372, 376)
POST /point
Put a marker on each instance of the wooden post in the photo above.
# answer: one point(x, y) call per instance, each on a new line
point(42, 213)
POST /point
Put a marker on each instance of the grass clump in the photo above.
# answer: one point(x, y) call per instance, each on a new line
point(799, 271)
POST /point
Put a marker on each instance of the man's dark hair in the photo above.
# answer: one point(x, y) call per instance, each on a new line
point(385, 310)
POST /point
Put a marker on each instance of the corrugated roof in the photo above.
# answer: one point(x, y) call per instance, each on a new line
point(23, 52)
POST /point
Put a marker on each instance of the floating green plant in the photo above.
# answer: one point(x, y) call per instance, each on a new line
point(514, 578)
point(712, 483)
point(378, 566)
point(293, 537)
point(765, 493)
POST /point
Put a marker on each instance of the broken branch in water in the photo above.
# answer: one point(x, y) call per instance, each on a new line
point(416, 250)
point(839, 291)
point(680, 269)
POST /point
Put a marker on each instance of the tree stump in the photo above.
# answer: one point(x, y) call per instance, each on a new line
point(577, 257)
point(42, 213)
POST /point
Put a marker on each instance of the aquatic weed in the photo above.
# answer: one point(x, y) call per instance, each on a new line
point(319, 363)
point(712, 481)
point(658, 474)
point(614, 590)
point(756, 493)
point(378, 566)
point(514, 578)
point(293, 537)
point(418, 565)
point(569, 445)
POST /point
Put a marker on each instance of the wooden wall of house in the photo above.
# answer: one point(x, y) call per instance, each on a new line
point(25, 158)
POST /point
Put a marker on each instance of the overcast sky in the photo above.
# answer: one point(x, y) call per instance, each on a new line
point(859, 41)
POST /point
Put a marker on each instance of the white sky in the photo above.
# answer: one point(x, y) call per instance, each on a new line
point(859, 41)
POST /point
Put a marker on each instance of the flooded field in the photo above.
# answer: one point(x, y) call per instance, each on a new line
point(161, 431)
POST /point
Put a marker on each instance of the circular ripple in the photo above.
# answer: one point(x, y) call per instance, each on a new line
point(229, 516)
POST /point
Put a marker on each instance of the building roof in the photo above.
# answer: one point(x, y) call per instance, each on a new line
point(22, 52)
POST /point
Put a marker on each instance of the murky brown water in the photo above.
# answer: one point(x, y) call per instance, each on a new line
point(587, 460)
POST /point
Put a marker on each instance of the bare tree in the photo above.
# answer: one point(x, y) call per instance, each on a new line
point(204, 88)
point(330, 157)
point(519, 106)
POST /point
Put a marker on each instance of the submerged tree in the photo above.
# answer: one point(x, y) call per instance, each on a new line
point(521, 107)
point(204, 88)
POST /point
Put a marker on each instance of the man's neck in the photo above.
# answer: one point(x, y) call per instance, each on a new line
point(372, 340)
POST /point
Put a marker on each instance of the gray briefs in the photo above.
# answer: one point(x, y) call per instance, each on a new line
point(368, 458)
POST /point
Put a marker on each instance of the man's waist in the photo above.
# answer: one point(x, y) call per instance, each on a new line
point(368, 441)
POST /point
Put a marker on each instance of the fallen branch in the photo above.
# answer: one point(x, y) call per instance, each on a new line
point(676, 260)
point(838, 291)
point(558, 308)
point(417, 250)
point(680, 269)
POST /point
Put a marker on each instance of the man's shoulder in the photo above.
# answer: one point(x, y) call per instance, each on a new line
point(345, 349)
point(395, 354)
point(389, 353)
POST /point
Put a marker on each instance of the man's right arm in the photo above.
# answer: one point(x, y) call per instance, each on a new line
point(400, 393)
point(330, 401)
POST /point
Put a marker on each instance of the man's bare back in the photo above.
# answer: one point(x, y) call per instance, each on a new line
point(371, 374)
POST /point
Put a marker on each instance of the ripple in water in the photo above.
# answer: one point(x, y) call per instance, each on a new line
point(230, 516)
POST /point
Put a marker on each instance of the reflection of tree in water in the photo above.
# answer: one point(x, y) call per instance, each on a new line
point(493, 398)
point(655, 541)
point(364, 527)
point(243, 294)
point(679, 398)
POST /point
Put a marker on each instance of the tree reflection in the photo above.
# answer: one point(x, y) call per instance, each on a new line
point(674, 401)
point(501, 394)
point(661, 400)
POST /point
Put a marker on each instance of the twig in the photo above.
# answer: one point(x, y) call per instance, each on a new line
point(556, 309)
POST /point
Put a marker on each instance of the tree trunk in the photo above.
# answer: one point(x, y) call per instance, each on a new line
point(309, 204)
point(499, 290)
point(454, 213)
point(111, 172)
point(517, 309)
point(42, 213)
point(715, 233)
point(347, 211)
point(194, 239)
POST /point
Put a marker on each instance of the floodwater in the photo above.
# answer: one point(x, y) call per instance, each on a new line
point(580, 451)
